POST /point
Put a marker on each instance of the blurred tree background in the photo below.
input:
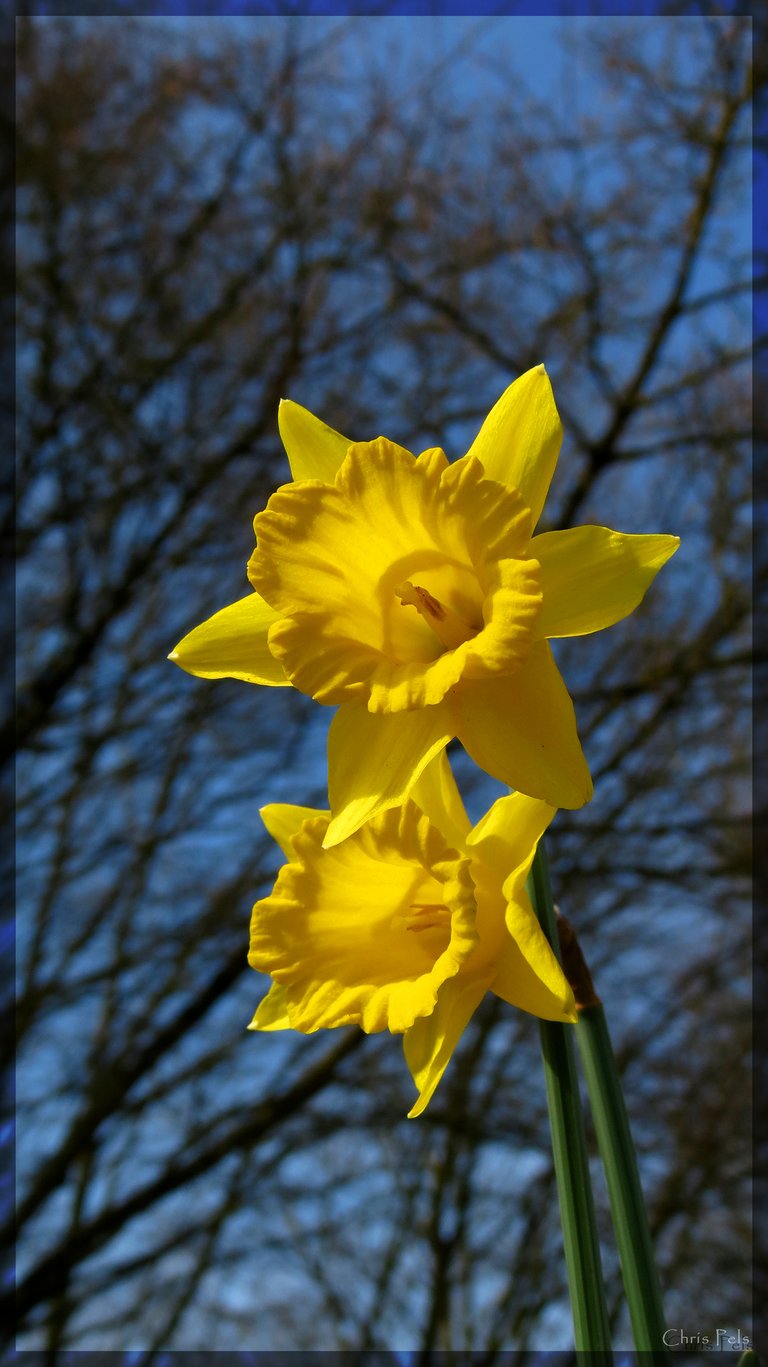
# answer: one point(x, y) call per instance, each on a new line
point(386, 224)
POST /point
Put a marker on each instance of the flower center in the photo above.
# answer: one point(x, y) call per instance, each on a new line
point(447, 625)
point(427, 916)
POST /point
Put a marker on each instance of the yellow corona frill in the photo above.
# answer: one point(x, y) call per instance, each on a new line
point(407, 924)
point(412, 593)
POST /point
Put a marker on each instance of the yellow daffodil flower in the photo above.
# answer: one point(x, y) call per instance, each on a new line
point(407, 924)
point(412, 593)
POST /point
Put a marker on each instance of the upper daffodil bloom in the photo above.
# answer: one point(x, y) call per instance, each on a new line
point(412, 593)
point(407, 924)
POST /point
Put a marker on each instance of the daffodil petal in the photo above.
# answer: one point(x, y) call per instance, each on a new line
point(283, 821)
point(506, 837)
point(367, 932)
point(233, 645)
point(272, 1011)
point(314, 450)
point(519, 441)
point(436, 793)
point(591, 577)
point(522, 730)
point(375, 759)
point(527, 972)
point(431, 1040)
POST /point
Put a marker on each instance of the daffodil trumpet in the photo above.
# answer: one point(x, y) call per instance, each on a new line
point(407, 924)
point(412, 593)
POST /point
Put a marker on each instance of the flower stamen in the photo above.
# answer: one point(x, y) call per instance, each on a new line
point(447, 625)
point(428, 916)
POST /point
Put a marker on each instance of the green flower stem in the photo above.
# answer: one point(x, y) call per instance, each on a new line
point(592, 1332)
point(630, 1221)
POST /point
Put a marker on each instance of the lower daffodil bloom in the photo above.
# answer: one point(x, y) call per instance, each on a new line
point(407, 924)
point(412, 593)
